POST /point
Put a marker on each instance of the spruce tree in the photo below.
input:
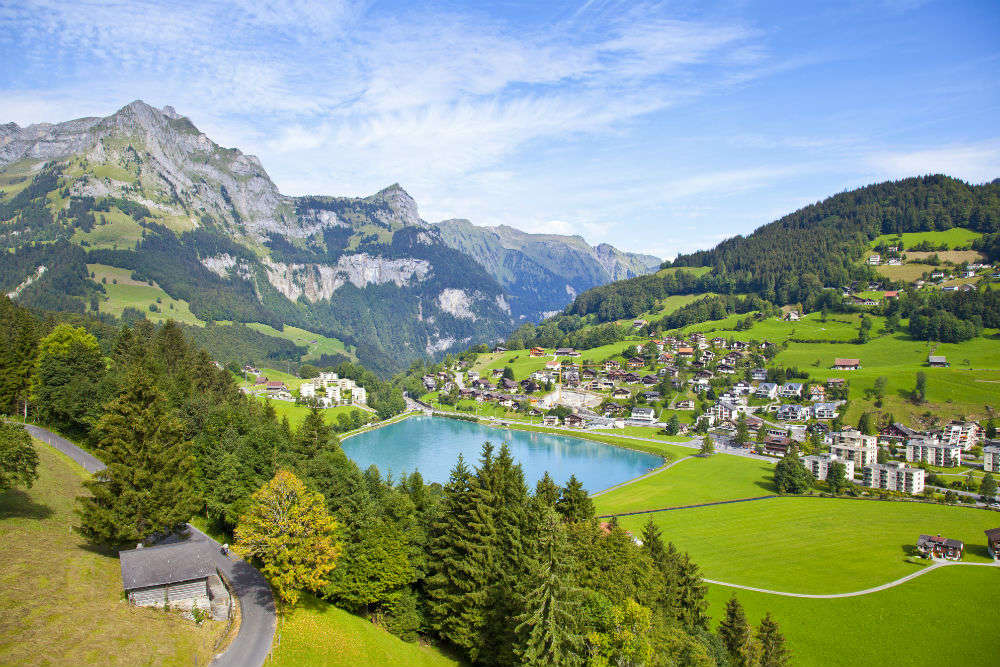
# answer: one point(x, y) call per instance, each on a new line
point(547, 628)
point(546, 490)
point(574, 503)
point(735, 632)
point(461, 551)
point(773, 652)
point(988, 489)
point(313, 436)
point(147, 485)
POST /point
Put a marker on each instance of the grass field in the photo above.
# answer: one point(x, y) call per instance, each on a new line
point(297, 413)
point(695, 480)
point(815, 545)
point(61, 602)
point(906, 272)
point(121, 232)
point(901, 625)
point(954, 237)
point(317, 343)
point(316, 633)
point(955, 256)
point(699, 271)
point(131, 293)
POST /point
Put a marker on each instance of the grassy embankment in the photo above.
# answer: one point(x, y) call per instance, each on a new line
point(61, 601)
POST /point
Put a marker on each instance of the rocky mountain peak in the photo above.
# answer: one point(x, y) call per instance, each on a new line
point(402, 205)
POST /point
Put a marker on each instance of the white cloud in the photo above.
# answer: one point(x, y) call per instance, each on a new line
point(976, 163)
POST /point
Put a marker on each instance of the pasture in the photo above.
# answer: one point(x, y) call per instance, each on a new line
point(815, 545)
point(955, 237)
point(122, 292)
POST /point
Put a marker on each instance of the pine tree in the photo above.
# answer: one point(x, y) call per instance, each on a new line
point(691, 591)
point(18, 343)
point(547, 627)
point(546, 490)
point(461, 551)
point(147, 485)
point(988, 488)
point(742, 431)
point(574, 503)
point(313, 436)
point(735, 632)
point(773, 652)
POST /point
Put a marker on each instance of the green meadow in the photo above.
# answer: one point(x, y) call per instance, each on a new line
point(815, 545)
point(913, 624)
point(955, 237)
point(122, 292)
point(317, 344)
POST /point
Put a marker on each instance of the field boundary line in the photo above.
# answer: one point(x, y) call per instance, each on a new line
point(686, 507)
point(831, 596)
point(662, 468)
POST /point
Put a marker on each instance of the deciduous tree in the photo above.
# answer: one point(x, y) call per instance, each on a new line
point(18, 458)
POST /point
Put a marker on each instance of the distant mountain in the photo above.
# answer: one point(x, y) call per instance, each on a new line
point(542, 271)
point(145, 190)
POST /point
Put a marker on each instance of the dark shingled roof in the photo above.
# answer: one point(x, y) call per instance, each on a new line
point(165, 564)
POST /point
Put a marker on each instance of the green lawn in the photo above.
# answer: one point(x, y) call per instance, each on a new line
point(696, 480)
point(317, 634)
point(913, 624)
point(815, 545)
point(297, 413)
point(907, 272)
point(61, 601)
point(954, 237)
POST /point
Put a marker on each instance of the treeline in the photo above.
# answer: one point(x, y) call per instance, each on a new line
point(63, 285)
point(795, 259)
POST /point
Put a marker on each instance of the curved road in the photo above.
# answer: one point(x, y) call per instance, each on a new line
point(258, 620)
point(891, 584)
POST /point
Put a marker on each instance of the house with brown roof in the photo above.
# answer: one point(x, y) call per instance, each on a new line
point(940, 547)
point(993, 543)
point(847, 364)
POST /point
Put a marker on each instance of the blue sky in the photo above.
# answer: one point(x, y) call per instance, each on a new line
point(658, 127)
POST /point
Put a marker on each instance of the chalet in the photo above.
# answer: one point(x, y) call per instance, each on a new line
point(573, 421)
point(685, 352)
point(550, 420)
point(993, 543)
point(665, 358)
point(719, 343)
point(699, 384)
point(777, 445)
point(651, 396)
point(766, 390)
point(892, 294)
point(621, 392)
point(277, 389)
point(643, 415)
point(792, 316)
point(817, 392)
point(507, 384)
point(604, 384)
point(991, 457)
point(896, 433)
point(181, 575)
point(874, 259)
point(497, 372)
point(725, 369)
point(836, 382)
point(472, 375)
point(635, 362)
point(741, 389)
point(638, 324)
point(261, 380)
point(825, 411)
point(631, 378)
point(536, 352)
point(650, 380)
point(894, 476)
point(819, 465)
point(937, 361)
point(758, 375)
point(933, 451)
point(935, 546)
point(791, 412)
point(611, 366)
point(530, 386)
point(726, 411)
point(553, 364)
point(847, 364)
point(740, 345)
point(567, 352)
point(791, 389)
point(685, 405)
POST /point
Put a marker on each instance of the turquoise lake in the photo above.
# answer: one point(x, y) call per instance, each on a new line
point(432, 445)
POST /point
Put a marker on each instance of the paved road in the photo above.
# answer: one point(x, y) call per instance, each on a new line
point(258, 622)
point(891, 584)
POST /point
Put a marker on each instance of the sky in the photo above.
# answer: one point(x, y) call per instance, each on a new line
point(659, 127)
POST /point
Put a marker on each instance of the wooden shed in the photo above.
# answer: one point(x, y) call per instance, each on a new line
point(176, 574)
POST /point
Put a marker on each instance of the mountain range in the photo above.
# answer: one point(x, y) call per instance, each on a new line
point(143, 189)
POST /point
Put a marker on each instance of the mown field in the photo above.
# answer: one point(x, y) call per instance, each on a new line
point(954, 237)
point(61, 601)
point(815, 545)
point(122, 292)
point(948, 612)
point(317, 344)
point(317, 633)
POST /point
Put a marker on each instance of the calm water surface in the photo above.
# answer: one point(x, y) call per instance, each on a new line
point(432, 445)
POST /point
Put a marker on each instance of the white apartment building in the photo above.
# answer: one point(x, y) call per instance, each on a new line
point(307, 390)
point(991, 458)
point(819, 465)
point(933, 451)
point(965, 434)
point(856, 446)
point(894, 476)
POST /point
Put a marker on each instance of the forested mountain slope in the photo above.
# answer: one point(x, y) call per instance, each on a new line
point(145, 190)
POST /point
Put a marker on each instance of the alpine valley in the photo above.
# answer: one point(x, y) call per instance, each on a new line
point(145, 195)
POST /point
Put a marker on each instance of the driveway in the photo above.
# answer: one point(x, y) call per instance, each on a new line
point(258, 622)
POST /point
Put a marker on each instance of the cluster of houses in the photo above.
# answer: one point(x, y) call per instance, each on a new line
point(326, 390)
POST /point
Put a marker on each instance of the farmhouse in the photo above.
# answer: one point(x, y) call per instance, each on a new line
point(993, 543)
point(933, 451)
point(567, 352)
point(819, 465)
point(894, 476)
point(940, 547)
point(847, 364)
point(180, 575)
point(937, 361)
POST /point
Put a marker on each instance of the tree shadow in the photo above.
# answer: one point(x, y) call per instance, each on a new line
point(910, 550)
point(16, 504)
point(978, 550)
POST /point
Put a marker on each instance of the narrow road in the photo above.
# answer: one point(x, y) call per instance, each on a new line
point(258, 619)
point(891, 584)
